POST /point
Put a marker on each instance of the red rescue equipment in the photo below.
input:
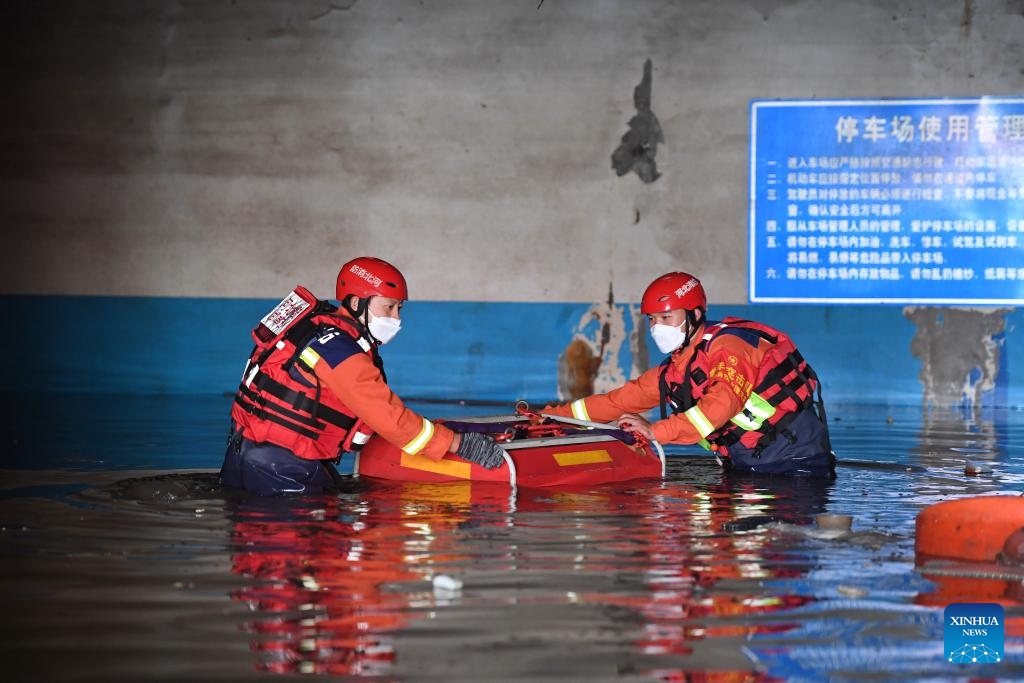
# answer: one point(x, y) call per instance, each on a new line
point(786, 384)
point(272, 406)
point(539, 454)
point(973, 529)
point(962, 545)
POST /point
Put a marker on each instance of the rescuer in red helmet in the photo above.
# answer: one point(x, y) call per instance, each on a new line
point(739, 388)
point(314, 387)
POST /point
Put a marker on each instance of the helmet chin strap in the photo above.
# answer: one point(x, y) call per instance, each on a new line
point(692, 325)
point(359, 309)
point(361, 312)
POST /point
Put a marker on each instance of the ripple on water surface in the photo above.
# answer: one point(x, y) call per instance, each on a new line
point(122, 575)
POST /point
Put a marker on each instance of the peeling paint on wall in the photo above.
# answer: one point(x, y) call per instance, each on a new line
point(592, 363)
point(577, 368)
point(959, 350)
point(640, 143)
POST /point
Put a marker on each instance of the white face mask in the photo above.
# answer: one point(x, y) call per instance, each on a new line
point(384, 329)
point(667, 337)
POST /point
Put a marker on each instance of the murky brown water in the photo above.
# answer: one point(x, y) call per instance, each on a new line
point(131, 576)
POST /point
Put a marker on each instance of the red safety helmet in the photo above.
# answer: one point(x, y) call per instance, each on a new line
point(367, 276)
point(673, 291)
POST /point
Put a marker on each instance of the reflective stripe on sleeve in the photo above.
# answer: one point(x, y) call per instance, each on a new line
point(421, 440)
point(309, 357)
point(579, 410)
point(699, 421)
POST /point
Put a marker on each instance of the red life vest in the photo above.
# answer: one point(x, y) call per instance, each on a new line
point(785, 386)
point(272, 406)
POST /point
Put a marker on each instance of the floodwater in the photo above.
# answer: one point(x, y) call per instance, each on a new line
point(121, 560)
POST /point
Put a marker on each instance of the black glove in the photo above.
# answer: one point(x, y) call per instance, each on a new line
point(481, 449)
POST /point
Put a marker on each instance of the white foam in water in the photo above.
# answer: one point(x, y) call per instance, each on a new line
point(443, 582)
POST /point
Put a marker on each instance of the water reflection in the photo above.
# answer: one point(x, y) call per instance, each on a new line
point(954, 436)
point(335, 581)
point(326, 570)
point(699, 577)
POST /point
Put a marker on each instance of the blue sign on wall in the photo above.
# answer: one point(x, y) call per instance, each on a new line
point(887, 201)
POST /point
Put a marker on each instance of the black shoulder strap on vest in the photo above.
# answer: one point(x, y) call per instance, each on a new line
point(663, 389)
point(303, 332)
point(681, 394)
point(304, 410)
point(364, 333)
point(738, 323)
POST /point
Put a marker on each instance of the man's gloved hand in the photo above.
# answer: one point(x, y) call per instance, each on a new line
point(480, 449)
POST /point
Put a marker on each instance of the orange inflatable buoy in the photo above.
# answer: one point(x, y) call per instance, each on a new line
point(1013, 549)
point(972, 529)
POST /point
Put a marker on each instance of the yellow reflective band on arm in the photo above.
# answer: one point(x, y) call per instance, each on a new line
point(579, 410)
point(705, 444)
point(701, 423)
point(421, 440)
point(309, 357)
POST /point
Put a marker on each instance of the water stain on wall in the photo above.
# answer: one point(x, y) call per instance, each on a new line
point(640, 143)
point(591, 362)
point(577, 368)
point(959, 350)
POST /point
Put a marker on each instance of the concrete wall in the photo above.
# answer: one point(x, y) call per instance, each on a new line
point(228, 150)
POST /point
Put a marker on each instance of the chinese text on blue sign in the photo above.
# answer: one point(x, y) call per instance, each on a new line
point(887, 201)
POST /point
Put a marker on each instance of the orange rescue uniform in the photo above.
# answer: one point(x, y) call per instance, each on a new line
point(734, 367)
point(359, 384)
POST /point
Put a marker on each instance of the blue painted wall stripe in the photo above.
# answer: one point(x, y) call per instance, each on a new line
point(446, 350)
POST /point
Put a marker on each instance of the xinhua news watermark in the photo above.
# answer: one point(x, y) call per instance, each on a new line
point(973, 632)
